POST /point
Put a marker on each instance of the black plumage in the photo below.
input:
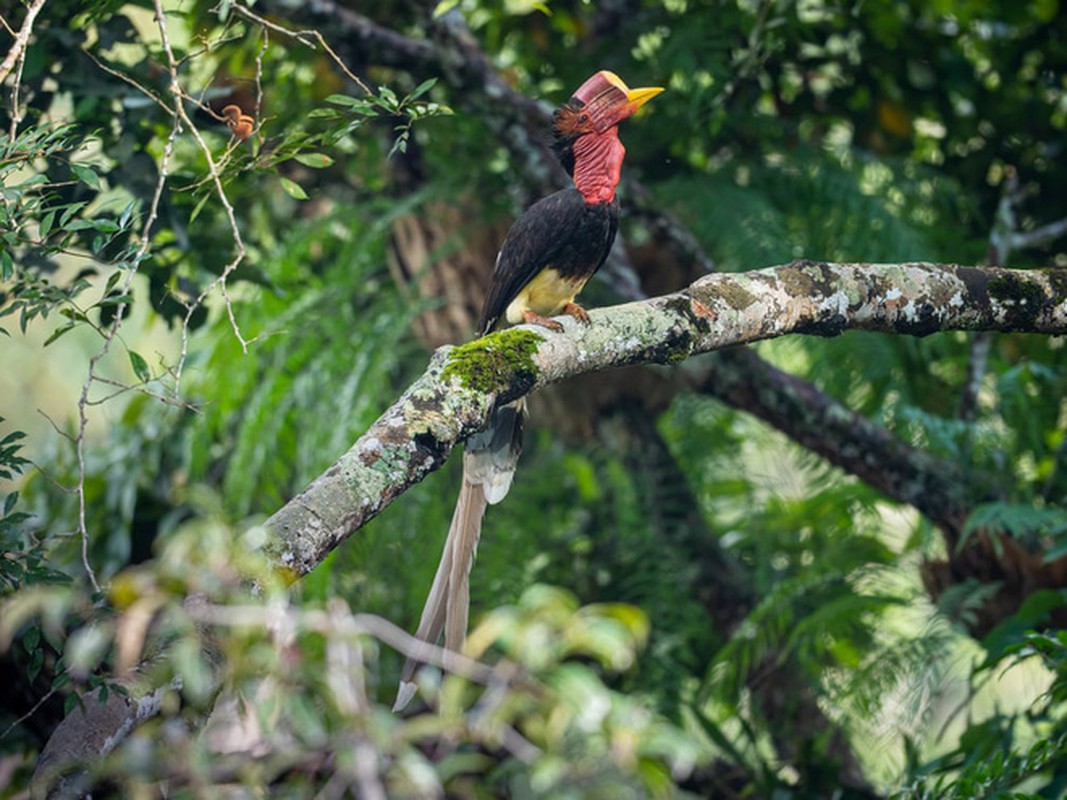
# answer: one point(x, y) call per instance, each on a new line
point(561, 232)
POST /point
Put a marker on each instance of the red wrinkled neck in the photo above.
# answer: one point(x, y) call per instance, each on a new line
point(597, 165)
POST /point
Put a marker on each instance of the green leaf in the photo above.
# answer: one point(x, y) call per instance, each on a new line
point(1013, 630)
point(199, 207)
point(314, 160)
point(346, 100)
point(102, 225)
point(111, 281)
point(1016, 519)
point(31, 639)
point(140, 367)
point(188, 661)
point(127, 214)
point(388, 97)
point(324, 113)
point(62, 676)
point(294, 189)
point(86, 175)
point(14, 436)
point(69, 211)
point(46, 223)
point(401, 143)
point(36, 662)
point(422, 88)
point(444, 7)
point(69, 702)
point(57, 333)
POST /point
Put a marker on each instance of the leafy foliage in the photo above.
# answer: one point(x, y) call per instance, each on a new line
point(993, 759)
point(305, 678)
point(24, 562)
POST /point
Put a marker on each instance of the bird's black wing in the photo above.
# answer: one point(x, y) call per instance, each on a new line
point(560, 231)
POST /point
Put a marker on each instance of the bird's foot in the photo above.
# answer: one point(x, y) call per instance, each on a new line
point(534, 318)
point(576, 311)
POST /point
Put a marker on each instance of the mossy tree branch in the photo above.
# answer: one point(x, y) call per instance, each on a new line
point(454, 397)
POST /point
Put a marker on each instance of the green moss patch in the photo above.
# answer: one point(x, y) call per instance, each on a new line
point(495, 362)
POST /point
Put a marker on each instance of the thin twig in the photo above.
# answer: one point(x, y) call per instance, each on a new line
point(122, 76)
point(18, 48)
point(1039, 237)
point(20, 59)
point(28, 714)
point(140, 387)
point(302, 37)
point(257, 112)
point(109, 337)
point(213, 170)
point(348, 626)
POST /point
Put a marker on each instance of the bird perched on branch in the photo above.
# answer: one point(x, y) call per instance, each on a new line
point(548, 255)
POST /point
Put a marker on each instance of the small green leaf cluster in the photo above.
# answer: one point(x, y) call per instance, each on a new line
point(407, 110)
point(48, 209)
point(23, 561)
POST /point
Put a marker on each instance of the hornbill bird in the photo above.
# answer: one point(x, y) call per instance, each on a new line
point(548, 255)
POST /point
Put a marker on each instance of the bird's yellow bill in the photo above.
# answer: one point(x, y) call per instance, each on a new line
point(635, 98)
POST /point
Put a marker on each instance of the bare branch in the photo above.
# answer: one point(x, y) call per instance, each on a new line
point(122, 76)
point(36, 707)
point(339, 624)
point(18, 47)
point(1039, 237)
point(16, 59)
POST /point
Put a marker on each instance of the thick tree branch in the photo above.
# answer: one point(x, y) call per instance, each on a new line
point(455, 395)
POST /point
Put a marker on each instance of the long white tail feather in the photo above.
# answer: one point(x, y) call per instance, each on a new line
point(470, 510)
point(488, 468)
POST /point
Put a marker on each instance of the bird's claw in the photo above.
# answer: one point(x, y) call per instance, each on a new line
point(576, 311)
point(534, 318)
